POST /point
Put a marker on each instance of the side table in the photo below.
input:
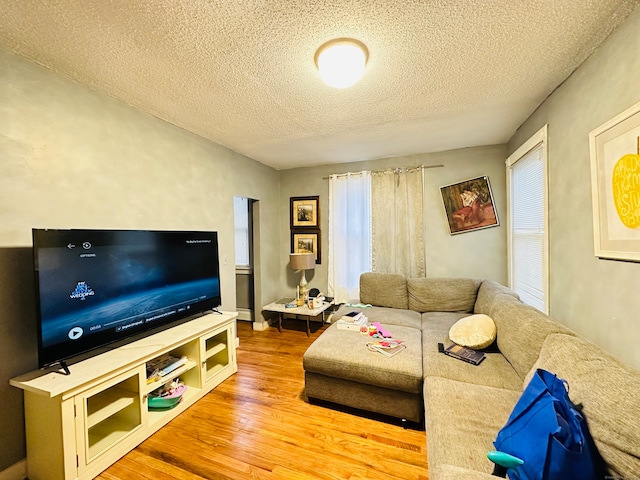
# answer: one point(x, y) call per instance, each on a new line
point(303, 311)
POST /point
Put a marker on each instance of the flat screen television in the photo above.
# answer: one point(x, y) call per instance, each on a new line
point(98, 287)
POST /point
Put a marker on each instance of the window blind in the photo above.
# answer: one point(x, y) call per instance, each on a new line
point(241, 227)
point(528, 227)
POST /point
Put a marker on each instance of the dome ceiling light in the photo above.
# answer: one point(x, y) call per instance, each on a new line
point(341, 62)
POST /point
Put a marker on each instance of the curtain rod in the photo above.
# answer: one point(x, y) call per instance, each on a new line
point(390, 170)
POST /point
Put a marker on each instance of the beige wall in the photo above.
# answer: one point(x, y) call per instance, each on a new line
point(73, 158)
point(480, 254)
point(597, 298)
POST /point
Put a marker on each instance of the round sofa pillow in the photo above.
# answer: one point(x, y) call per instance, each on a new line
point(476, 331)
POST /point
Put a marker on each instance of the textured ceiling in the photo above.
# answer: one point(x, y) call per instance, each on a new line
point(442, 74)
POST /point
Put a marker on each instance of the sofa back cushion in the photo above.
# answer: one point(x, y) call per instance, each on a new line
point(521, 331)
point(442, 294)
point(609, 392)
point(384, 289)
point(487, 294)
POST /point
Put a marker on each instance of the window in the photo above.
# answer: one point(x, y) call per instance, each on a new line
point(241, 217)
point(528, 226)
point(349, 233)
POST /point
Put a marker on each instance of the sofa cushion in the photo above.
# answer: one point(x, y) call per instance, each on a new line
point(475, 331)
point(384, 289)
point(494, 371)
point(521, 330)
point(389, 316)
point(462, 420)
point(440, 320)
point(442, 294)
point(608, 391)
point(487, 294)
point(344, 354)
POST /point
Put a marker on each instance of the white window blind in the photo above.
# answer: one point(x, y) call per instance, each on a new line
point(241, 226)
point(526, 171)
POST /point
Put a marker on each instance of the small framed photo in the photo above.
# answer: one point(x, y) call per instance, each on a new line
point(305, 212)
point(306, 242)
point(469, 205)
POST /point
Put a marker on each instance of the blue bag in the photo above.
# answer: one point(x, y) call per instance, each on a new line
point(547, 431)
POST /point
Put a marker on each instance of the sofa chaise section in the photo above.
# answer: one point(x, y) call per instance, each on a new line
point(464, 406)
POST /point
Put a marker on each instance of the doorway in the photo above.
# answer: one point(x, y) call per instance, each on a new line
point(244, 257)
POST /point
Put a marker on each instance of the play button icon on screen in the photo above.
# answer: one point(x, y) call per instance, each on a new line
point(75, 333)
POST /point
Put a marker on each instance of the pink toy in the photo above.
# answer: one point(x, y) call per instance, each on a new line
point(382, 331)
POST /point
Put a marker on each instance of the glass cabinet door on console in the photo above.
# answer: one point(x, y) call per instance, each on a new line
point(218, 353)
point(108, 413)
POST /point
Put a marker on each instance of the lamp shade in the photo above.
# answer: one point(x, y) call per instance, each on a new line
point(302, 261)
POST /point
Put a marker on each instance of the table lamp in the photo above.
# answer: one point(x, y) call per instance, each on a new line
point(302, 262)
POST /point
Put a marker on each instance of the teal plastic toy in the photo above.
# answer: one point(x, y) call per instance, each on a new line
point(503, 462)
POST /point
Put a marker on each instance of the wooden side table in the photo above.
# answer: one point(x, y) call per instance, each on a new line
point(303, 311)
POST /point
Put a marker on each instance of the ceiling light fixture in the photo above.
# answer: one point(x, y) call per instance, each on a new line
point(341, 61)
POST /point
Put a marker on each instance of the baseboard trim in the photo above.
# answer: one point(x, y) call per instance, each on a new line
point(17, 471)
point(259, 326)
point(244, 314)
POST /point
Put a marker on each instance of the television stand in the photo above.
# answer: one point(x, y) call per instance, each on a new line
point(98, 414)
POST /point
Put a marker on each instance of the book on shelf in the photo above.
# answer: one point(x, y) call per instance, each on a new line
point(354, 325)
point(164, 365)
point(352, 316)
point(465, 354)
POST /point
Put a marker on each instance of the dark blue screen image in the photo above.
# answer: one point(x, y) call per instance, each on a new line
point(97, 287)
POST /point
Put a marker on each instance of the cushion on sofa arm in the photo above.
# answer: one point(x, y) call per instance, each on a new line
point(442, 294)
point(521, 331)
point(384, 289)
point(609, 392)
point(487, 294)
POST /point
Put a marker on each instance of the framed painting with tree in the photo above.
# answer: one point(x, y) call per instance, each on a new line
point(305, 212)
point(306, 242)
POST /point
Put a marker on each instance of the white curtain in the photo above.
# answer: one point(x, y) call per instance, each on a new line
point(349, 233)
point(397, 222)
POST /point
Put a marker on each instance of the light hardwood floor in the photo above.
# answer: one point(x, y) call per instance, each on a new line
point(257, 425)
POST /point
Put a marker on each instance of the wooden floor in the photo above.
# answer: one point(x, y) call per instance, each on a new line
point(257, 425)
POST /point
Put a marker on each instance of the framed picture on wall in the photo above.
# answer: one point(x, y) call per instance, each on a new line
point(469, 205)
point(306, 241)
point(615, 186)
point(305, 212)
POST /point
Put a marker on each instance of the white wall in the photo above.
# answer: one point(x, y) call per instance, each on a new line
point(74, 158)
point(597, 298)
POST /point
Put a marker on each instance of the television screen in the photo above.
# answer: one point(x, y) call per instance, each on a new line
point(96, 287)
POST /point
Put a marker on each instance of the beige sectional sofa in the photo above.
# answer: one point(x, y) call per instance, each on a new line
point(464, 406)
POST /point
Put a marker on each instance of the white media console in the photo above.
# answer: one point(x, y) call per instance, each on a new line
point(78, 425)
